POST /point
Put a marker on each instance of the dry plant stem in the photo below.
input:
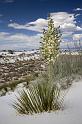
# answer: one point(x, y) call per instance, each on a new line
point(50, 71)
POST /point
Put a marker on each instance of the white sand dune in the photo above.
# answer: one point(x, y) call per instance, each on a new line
point(72, 113)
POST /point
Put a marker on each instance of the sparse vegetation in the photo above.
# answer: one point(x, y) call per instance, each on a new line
point(4, 88)
point(10, 51)
point(40, 96)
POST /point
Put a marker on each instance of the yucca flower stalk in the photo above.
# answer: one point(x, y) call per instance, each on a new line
point(50, 45)
point(50, 42)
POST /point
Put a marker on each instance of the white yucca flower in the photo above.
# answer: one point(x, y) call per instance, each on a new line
point(50, 42)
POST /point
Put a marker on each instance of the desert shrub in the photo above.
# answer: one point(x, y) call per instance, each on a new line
point(67, 64)
point(66, 68)
point(10, 51)
point(12, 84)
point(39, 97)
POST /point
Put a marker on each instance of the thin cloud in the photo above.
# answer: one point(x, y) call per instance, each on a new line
point(78, 9)
point(77, 15)
point(37, 25)
point(1, 15)
point(19, 41)
point(77, 36)
point(6, 1)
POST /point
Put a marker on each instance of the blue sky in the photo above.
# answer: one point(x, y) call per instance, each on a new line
point(22, 21)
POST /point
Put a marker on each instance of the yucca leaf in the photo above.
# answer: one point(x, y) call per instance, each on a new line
point(39, 97)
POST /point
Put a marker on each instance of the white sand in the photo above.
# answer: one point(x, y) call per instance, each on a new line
point(72, 113)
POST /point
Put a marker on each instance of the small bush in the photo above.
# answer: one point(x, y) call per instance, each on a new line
point(39, 97)
point(67, 64)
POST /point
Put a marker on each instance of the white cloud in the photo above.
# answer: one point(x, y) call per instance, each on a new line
point(40, 22)
point(68, 27)
point(66, 21)
point(3, 35)
point(10, 20)
point(62, 17)
point(77, 15)
point(37, 25)
point(67, 34)
point(79, 28)
point(19, 40)
point(77, 36)
point(18, 37)
point(77, 9)
point(23, 37)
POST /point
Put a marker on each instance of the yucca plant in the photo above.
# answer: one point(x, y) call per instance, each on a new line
point(39, 97)
point(43, 95)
